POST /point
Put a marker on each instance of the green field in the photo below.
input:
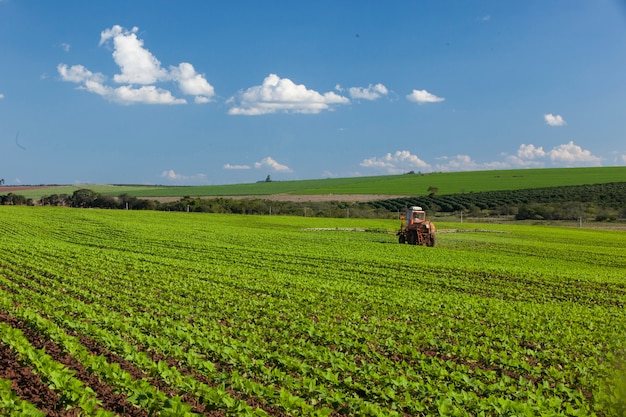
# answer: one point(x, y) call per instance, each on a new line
point(113, 190)
point(414, 184)
point(203, 314)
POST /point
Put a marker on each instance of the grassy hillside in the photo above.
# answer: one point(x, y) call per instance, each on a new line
point(105, 189)
point(409, 184)
point(414, 184)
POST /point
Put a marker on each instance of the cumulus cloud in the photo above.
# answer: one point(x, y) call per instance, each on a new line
point(423, 96)
point(140, 73)
point(530, 151)
point(192, 83)
point(371, 92)
point(624, 158)
point(267, 162)
point(126, 94)
point(466, 163)
point(65, 46)
point(79, 74)
point(236, 167)
point(1, 96)
point(271, 163)
point(565, 155)
point(571, 154)
point(396, 163)
point(527, 156)
point(174, 176)
point(553, 120)
point(138, 65)
point(282, 95)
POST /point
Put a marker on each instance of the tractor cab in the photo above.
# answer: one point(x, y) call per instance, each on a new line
point(415, 215)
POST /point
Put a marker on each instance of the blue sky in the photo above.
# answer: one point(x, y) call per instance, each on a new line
point(207, 92)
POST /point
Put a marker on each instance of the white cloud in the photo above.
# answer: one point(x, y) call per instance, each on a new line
point(1, 96)
point(269, 162)
point(127, 94)
point(423, 96)
point(553, 120)
point(527, 156)
point(624, 158)
point(530, 151)
point(571, 154)
point(138, 65)
point(457, 163)
point(174, 176)
point(466, 163)
point(282, 95)
point(371, 92)
point(79, 74)
point(565, 155)
point(236, 167)
point(140, 72)
point(192, 83)
point(65, 46)
point(147, 94)
point(396, 163)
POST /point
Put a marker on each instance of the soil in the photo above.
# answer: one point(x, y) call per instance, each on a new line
point(47, 400)
point(29, 386)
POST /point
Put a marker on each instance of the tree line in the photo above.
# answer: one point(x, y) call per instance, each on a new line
point(602, 202)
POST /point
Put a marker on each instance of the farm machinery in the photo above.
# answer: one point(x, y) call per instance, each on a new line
point(415, 229)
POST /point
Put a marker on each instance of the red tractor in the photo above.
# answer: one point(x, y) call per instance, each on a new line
point(415, 229)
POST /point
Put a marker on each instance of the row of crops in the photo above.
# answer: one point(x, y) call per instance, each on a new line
point(610, 195)
point(175, 314)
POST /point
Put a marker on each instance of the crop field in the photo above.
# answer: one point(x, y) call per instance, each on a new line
point(110, 312)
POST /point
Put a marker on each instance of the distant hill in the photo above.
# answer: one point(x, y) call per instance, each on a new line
point(408, 184)
point(414, 184)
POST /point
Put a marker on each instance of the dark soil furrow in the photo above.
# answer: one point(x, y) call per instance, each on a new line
point(251, 401)
point(137, 373)
point(28, 386)
point(110, 400)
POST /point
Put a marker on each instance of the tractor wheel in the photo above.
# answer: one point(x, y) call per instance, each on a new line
point(432, 240)
point(402, 239)
point(412, 237)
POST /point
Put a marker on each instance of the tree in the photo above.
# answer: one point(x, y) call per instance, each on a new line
point(83, 198)
point(432, 191)
point(268, 179)
point(56, 200)
point(1, 181)
point(13, 200)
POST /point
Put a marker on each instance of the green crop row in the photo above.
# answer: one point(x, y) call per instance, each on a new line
point(302, 316)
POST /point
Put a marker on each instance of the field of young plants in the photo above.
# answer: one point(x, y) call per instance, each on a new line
point(111, 312)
